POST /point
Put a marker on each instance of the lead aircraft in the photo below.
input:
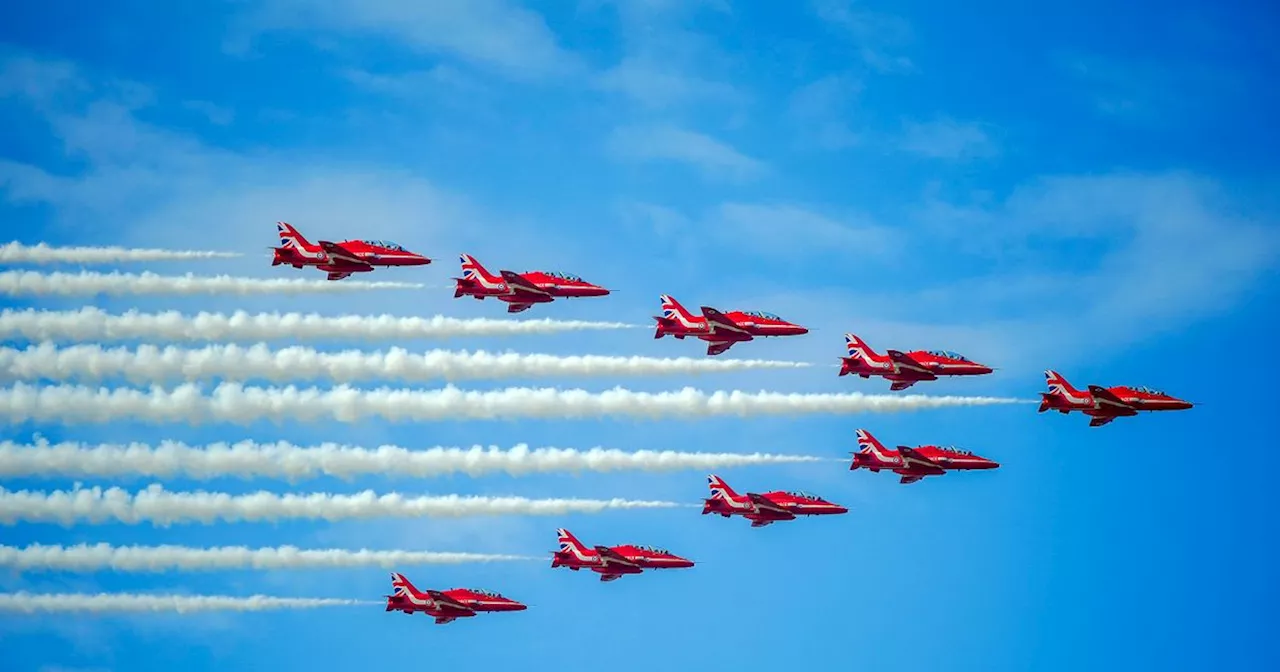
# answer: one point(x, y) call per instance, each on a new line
point(720, 330)
point(612, 562)
point(765, 509)
point(913, 464)
point(520, 290)
point(1105, 404)
point(905, 368)
point(340, 259)
point(445, 605)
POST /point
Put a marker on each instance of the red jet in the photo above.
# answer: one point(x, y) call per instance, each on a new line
point(914, 464)
point(445, 605)
point(611, 562)
point(521, 290)
point(1105, 404)
point(765, 509)
point(721, 330)
point(905, 369)
point(343, 258)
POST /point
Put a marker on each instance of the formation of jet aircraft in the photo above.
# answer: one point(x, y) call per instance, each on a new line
point(720, 330)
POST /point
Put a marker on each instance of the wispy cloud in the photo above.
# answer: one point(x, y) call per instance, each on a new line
point(820, 111)
point(779, 228)
point(948, 139)
point(494, 34)
point(215, 114)
point(1100, 246)
point(657, 85)
point(877, 36)
point(715, 159)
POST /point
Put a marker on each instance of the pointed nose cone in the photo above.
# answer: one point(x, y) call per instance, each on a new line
point(983, 369)
point(512, 605)
point(597, 290)
point(418, 260)
point(1182, 405)
point(680, 563)
point(799, 330)
point(989, 464)
point(837, 509)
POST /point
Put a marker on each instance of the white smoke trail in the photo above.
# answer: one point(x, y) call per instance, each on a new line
point(282, 460)
point(87, 558)
point(150, 363)
point(162, 508)
point(31, 603)
point(238, 404)
point(94, 324)
point(43, 253)
point(19, 283)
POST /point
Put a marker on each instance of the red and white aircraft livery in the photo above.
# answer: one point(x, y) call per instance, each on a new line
point(765, 509)
point(914, 464)
point(1104, 404)
point(720, 330)
point(611, 562)
point(520, 290)
point(905, 368)
point(343, 258)
point(445, 605)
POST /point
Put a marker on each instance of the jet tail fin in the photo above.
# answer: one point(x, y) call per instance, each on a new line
point(290, 237)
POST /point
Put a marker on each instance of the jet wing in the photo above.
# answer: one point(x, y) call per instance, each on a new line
point(612, 557)
point(521, 287)
point(911, 367)
point(718, 347)
point(341, 256)
point(914, 461)
point(718, 321)
point(448, 604)
point(1113, 404)
point(768, 506)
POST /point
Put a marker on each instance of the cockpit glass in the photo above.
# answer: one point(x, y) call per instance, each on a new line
point(949, 354)
point(1149, 390)
point(383, 243)
point(763, 315)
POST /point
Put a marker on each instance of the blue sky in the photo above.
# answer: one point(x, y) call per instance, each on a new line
point(1070, 185)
